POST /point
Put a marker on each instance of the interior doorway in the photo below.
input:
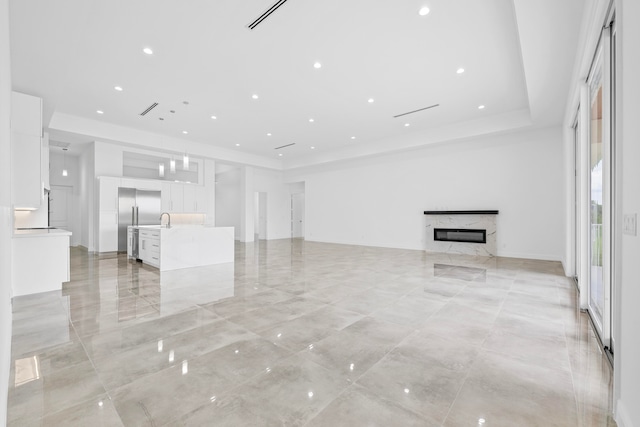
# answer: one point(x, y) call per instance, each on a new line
point(61, 207)
point(260, 216)
point(297, 215)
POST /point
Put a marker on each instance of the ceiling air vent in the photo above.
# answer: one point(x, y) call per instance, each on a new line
point(284, 146)
point(415, 111)
point(266, 14)
point(149, 108)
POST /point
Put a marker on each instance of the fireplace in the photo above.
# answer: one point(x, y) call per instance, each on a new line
point(464, 235)
point(469, 232)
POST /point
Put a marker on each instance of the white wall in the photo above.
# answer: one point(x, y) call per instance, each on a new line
point(57, 162)
point(227, 197)
point(627, 356)
point(6, 212)
point(87, 190)
point(380, 201)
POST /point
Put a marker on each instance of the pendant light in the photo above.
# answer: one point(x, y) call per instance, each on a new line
point(64, 162)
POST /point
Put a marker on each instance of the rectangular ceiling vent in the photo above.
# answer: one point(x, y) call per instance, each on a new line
point(266, 14)
point(415, 111)
point(284, 146)
point(149, 108)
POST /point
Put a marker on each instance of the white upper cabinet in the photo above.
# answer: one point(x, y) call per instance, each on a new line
point(26, 114)
point(195, 199)
point(44, 161)
point(26, 151)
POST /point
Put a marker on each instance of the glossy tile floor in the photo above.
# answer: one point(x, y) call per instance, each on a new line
point(309, 334)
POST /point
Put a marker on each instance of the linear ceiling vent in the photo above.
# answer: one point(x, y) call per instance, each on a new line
point(266, 14)
point(149, 108)
point(415, 111)
point(284, 146)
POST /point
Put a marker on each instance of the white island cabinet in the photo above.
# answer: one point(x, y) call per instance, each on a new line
point(184, 246)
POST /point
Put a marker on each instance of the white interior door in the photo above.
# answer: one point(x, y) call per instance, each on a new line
point(60, 206)
point(297, 215)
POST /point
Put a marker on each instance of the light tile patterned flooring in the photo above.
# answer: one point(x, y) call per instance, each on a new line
point(309, 334)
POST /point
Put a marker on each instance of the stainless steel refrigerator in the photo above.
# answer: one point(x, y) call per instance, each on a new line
point(136, 207)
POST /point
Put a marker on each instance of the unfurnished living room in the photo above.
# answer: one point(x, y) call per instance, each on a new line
point(330, 213)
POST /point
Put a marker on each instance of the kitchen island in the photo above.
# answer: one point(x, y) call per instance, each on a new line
point(182, 246)
point(40, 260)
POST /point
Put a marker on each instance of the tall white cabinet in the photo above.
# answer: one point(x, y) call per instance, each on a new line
point(26, 151)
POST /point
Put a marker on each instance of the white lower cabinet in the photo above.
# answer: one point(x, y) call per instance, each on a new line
point(108, 238)
point(149, 247)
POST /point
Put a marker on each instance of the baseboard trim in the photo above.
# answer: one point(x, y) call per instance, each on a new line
point(622, 416)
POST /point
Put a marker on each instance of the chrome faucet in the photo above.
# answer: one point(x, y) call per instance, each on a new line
point(168, 216)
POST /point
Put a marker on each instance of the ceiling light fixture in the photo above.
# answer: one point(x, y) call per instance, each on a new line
point(279, 154)
point(237, 145)
point(99, 111)
point(370, 100)
point(481, 107)
point(311, 120)
point(148, 51)
point(460, 70)
point(353, 137)
point(172, 166)
point(424, 11)
point(317, 65)
point(313, 148)
point(185, 162)
point(214, 117)
point(254, 96)
point(407, 125)
point(185, 132)
point(64, 162)
point(118, 88)
point(268, 134)
point(161, 170)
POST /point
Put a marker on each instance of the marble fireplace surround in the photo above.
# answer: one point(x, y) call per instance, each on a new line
point(472, 220)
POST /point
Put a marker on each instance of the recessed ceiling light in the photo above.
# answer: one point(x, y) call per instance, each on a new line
point(148, 51)
point(268, 134)
point(480, 107)
point(99, 111)
point(280, 154)
point(460, 70)
point(407, 125)
point(353, 137)
point(185, 132)
point(254, 96)
point(214, 117)
point(370, 100)
point(311, 120)
point(317, 65)
point(118, 88)
point(237, 145)
point(423, 11)
point(313, 148)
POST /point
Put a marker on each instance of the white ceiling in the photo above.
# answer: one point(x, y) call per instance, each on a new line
point(517, 56)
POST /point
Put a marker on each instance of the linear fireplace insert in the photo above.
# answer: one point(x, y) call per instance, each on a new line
point(460, 235)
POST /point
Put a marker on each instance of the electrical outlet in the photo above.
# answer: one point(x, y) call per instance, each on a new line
point(630, 224)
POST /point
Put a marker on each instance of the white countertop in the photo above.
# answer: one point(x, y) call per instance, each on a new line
point(50, 232)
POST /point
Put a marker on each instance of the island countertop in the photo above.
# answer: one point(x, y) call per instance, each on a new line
point(41, 232)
